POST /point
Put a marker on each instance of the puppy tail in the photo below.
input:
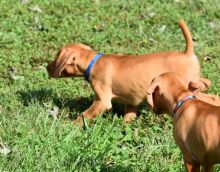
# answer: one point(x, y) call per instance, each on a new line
point(189, 43)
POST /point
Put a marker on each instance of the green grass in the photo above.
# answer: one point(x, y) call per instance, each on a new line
point(29, 39)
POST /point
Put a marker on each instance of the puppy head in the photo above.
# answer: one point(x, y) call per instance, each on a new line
point(163, 92)
point(67, 60)
point(166, 89)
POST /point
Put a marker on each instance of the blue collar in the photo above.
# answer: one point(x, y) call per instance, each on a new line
point(180, 103)
point(97, 56)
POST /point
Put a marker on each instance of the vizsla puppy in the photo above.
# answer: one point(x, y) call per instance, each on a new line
point(196, 124)
point(123, 77)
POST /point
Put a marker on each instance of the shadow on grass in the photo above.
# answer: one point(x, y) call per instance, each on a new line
point(80, 104)
point(75, 105)
point(42, 95)
point(30, 96)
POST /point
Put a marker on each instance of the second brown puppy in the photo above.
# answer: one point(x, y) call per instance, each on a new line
point(196, 124)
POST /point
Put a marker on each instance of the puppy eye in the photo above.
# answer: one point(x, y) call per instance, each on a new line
point(72, 61)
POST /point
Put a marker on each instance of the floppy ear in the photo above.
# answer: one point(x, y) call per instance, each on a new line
point(203, 84)
point(70, 58)
point(150, 92)
point(194, 87)
point(84, 46)
point(64, 58)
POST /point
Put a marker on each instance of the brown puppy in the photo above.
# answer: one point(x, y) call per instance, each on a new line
point(196, 124)
point(123, 77)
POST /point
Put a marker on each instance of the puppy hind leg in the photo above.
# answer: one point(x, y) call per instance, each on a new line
point(130, 113)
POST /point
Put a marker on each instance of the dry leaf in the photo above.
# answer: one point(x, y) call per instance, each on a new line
point(54, 112)
point(36, 9)
point(151, 14)
point(207, 58)
point(3, 149)
point(212, 25)
point(24, 1)
point(162, 29)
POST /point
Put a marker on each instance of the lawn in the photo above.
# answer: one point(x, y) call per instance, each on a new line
point(34, 138)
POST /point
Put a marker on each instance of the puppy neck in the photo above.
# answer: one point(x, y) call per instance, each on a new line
point(85, 59)
point(180, 100)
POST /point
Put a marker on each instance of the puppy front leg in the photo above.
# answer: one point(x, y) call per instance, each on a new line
point(98, 107)
point(101, 103)
point(130, 113)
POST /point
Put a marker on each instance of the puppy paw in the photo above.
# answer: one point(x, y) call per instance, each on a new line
point(128, 118)
point(79, 121)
